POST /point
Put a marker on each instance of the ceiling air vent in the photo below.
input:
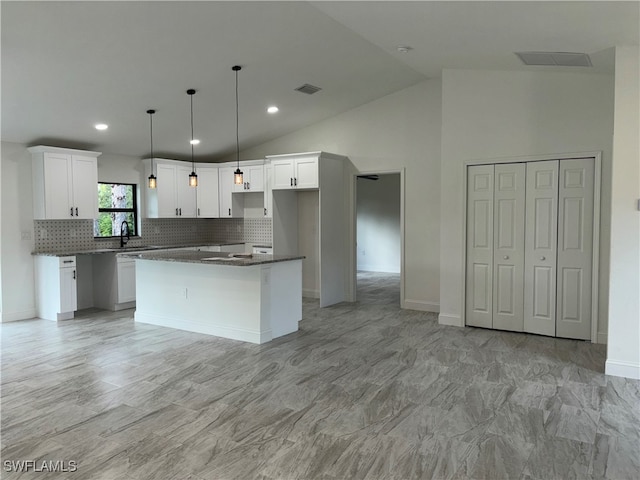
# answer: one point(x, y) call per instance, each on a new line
point(308, 89)
point(555, 59)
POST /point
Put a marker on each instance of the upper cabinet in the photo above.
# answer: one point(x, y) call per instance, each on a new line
point(253, 178)
point(208, 200)
point(226, 188)
point(65, 183)
point(295, 171)
point(173, 197)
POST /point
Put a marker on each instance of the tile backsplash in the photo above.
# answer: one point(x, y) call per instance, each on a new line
point(56, 235)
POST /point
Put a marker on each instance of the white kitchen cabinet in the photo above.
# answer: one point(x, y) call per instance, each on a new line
point(56, 287)
point(296, 171)
point(65, 183)
point(253, 178)
point(207, 196)
point(126, 273)
point(226, 187)
point(268, 194)
point(173, 197)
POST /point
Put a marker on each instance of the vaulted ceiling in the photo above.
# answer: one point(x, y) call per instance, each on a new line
point(69, 65)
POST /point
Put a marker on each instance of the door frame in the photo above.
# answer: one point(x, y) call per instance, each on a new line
point(595, 259)
point(353, 254)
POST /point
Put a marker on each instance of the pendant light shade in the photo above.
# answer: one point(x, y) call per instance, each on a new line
point(152, 183)
point(193, 178)
point(237, 175)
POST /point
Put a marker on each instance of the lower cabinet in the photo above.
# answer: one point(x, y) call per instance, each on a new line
point(114, 282)
point(56, 287)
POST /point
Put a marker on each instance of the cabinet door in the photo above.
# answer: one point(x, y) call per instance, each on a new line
point(283, 173)
point(58, 182)
point(208, 199)
point(268, 195)
point(508, 252)
point(256, 178)
point(166, 190)
point(540, 248)
point(479, 281)
point(575, 248)
point(225, 180)
point(186, 194)
point(68, 290)
point(126, 281)
point(306, 173)
point(85, 187)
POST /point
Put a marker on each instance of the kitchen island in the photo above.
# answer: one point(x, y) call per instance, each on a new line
point(252, 299)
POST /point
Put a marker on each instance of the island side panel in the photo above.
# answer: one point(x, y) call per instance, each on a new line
point(285, 296)
point(217, 300)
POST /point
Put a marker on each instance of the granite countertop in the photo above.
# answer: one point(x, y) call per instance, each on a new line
point(215, 258)
point(132, 248)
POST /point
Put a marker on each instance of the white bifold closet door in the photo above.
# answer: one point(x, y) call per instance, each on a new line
point(529, 247)
point(495, 240)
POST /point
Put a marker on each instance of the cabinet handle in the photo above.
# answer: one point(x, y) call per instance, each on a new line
point(76, 211)
point(248, 186)
point(295, 182)
point(265, 212)
point(71, 211)
point(74, 274)
point(291, 182)
point(180, 209)
point(542, 258)
point(198, 211)
point(67, 261)
point(176, 212)
point(229, 212)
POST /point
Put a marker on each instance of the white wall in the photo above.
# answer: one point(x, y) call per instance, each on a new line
point(378, 224)
point(18, 294)
point(401, 130)
point(623, 349)
point(496, 114)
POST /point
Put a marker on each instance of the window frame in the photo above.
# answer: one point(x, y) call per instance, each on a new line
point(133, 210)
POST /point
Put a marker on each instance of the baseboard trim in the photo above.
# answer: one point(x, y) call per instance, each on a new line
point(16, 316)
point(602, 338)
point(619, 368)
point(310, 293)
point(421, 305)
point(449, 319)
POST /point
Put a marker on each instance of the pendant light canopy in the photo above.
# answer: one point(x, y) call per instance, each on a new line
point(193, 178)
point(237, 175)
point(153, 183)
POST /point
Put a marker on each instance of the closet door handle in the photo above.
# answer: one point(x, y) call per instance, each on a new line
point(543, 258)
point(506, 257)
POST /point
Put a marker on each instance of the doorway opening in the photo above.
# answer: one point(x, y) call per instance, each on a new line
point(379, 238)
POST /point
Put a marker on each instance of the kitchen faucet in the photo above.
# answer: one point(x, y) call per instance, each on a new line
point(122, 240)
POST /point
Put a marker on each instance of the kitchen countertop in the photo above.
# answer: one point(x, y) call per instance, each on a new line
point(211, 258)
point(133, 248)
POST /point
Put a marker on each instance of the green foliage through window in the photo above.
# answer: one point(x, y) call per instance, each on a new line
point(117, 202)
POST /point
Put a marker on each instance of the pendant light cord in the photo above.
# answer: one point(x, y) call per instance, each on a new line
point(151, 134)
point(237, 124)
point(192, 163)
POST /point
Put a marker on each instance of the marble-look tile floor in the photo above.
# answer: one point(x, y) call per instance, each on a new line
point(363, 390)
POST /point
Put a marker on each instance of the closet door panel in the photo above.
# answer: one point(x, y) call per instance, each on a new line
point(509, 225)
point(575, 248)
point(479, 267)
point(540, 248)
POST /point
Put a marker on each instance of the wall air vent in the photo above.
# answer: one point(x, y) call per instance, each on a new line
point(308, 89)
point(555, 59)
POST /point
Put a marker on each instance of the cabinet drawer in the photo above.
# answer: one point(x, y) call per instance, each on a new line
point(67, 262)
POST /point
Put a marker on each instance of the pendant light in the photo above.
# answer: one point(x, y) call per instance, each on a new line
point(193, 178)
point(237, 175)
point(153, 182)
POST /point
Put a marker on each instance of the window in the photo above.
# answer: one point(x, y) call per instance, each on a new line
point(117, 203)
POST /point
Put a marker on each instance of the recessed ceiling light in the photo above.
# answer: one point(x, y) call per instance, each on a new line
point(195, 141)
point(101, 126)
point(404, 48)
point(273, 109)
